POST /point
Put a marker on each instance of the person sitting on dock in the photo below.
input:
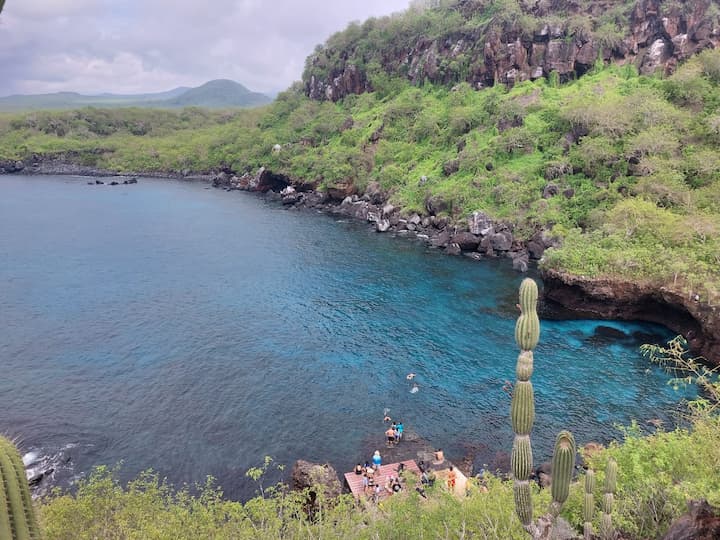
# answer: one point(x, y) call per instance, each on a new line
point(377, 460)
point(396, 485)
point(439, 456)
point(389, 485)
point(358, 469)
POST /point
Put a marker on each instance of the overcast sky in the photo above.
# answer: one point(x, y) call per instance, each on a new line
point(135, 46)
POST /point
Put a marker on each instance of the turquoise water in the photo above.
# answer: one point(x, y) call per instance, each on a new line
point(194, 331)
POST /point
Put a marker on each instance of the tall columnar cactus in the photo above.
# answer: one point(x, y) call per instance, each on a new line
point(589, 504)
point(606, 527)
point(17, 517)
point(522, 415)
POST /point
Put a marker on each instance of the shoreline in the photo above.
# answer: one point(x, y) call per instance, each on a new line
point(478, 238)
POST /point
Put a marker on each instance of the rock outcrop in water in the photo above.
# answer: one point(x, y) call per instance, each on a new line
point(306, 475)
point(624, 300)
point(565, 38)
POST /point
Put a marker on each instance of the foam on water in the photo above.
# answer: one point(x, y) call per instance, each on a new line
point(195, 331)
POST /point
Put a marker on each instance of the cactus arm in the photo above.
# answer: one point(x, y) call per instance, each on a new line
point(17, 518)
point(589, 504)
point(606, 527)
point(563, 465)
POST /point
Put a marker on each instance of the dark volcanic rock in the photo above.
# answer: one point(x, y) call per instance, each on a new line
point(658, 36)
point(311, 475)
point(702, 522)
point(467, 241)
point(617, 299)
point(435, 205)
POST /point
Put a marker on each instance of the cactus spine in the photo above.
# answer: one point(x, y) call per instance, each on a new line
point(17, 516)
point(522, 408)
point(606, 527)
point(522, 415)
point(589, 504)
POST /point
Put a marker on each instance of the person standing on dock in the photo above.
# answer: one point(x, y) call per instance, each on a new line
point(451, 479)
point(377, 460)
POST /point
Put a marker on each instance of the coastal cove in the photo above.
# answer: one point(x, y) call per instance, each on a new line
point(194, 331)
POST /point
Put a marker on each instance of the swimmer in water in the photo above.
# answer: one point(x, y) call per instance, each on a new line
point(415, 389)
point(410, 376)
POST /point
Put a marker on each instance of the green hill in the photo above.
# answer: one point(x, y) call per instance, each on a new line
point(213, 94)
point(219, 94)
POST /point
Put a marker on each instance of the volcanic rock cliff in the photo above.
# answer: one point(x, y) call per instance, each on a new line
point(509, 42)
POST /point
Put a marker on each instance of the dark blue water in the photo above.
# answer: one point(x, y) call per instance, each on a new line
point(195, 331)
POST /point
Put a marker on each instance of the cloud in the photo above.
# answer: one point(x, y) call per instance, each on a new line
point(134, 46)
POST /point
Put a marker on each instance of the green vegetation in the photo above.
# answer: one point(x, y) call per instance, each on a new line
point(634, 158)
point(654, 476)
point(17, 514)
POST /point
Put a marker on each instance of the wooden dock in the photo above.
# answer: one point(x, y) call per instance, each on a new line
point(355, 483)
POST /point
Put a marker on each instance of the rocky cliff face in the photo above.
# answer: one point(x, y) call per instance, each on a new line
point(654, 35)
point(613, 299)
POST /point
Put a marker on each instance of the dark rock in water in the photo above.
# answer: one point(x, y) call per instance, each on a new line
point(453, 249)
point(91, 183)
point(702, 522)
point(311, 475)
point(609, 333)
point(133, 180)
point(114, 183)
point(441, 239)
point(10, 166)
point(520, 264)
point(99, 182)
point(35, 477)
point(382, 225)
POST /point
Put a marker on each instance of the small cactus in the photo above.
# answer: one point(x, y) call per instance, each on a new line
point(563, 465)
point(17, 516)
point(607, 532)
point(589, 504)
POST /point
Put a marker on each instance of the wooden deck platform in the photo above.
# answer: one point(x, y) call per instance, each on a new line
point(354, 481)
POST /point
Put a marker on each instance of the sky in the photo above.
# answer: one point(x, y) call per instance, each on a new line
point(137, 46)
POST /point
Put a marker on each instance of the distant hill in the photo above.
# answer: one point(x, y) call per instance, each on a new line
point(218, 94)
point(214, 94)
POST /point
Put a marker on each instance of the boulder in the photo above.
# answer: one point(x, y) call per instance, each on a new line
point(415, 220)
point(550, 191)
point(520, 263)
point(306, 475)
point(441, 239)
point(374, 193)
point(439, 222)
point(382, 225)
point(702, 522)
point(478, 222)
point(466, 240)
point(341, 190)
point(388, 209)
point(451, 167)
point(436, 205)
point(501, 241)
point(453, 249)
